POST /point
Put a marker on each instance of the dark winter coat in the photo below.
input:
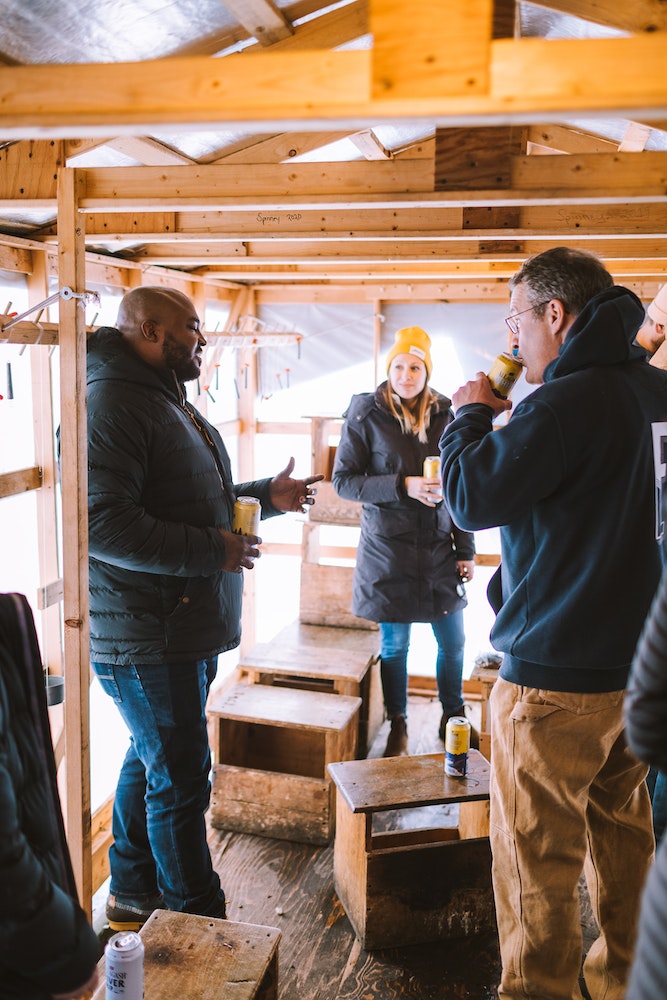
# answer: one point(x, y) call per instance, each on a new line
point(159, 488)
point(46, 943)
point(406, 560)
point(571, 480)
point(646, 719)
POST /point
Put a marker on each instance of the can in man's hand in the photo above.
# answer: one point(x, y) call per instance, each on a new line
point(504, 374)
point(247, 514)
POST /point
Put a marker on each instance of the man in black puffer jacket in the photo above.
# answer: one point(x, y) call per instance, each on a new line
point(165, 592)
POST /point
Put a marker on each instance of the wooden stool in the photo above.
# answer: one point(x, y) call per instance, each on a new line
point(412, 885)
point(477, 691)
point(275, 745)
point(322, 658)
point(202, 958)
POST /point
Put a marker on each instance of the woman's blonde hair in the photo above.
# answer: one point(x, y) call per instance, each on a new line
point(412, 421)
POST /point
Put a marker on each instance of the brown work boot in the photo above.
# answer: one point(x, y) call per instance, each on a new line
point(397, 743)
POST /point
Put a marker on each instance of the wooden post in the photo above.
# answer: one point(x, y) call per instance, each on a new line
point(378, 320)
point(42, 409)
point(74, 477)
point(246, 378)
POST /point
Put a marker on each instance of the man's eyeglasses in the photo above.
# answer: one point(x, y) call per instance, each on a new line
point(511, 320)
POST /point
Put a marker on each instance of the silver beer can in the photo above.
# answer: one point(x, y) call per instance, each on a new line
point(124, 960)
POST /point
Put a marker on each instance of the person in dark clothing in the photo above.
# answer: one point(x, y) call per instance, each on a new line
point(411, 558)
point(165, 592)
point(570, 480)
point(651, 334)
point(48, 950)
point(646, 726)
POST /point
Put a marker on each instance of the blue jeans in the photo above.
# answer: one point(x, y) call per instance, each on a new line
point(394, 645)
point(163, 790)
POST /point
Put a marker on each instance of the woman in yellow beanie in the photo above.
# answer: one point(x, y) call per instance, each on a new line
point(411, 558)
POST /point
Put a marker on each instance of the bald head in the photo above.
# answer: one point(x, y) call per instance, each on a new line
point(161, 326)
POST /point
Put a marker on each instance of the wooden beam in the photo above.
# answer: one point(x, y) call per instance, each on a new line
point(635, 138)
point(332, 89)
point(567, 140)
point(594, 179)
point(148, 151)
point(369, 145)
point(29, 169)
point(638, 16)
point(71, 270)
point(434, 43)
point(377, 223)
point(278, 148)
point(21, 481)
point(262, 19)
point(476, 158)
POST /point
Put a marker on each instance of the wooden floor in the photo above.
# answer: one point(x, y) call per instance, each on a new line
point(290, 886)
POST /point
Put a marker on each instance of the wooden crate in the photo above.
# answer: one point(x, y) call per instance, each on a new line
point(477, 691)
point(331, 660)
point(326, 596)
point(201, 958)
point(412, 885)
point(274, 748)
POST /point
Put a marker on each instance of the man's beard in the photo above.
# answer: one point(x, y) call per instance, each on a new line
point(184, 366)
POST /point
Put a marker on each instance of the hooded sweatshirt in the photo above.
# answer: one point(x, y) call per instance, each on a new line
point(573, 480)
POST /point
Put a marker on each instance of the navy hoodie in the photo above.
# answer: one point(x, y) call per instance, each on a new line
point(573, 480)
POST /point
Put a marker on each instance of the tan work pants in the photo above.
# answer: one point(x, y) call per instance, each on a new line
point(566, 795)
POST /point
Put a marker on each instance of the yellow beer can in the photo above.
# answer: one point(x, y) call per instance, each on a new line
point(247, 514)
point(457, 744)
point(504, 374)
point(432, 467)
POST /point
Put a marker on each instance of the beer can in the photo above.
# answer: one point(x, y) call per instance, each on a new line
point(124, 961)
point(432, 467)
point(247, 514)
point(457, 744)
point(504, 374)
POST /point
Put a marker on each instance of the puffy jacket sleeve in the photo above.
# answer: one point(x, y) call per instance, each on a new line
point(646, 698)
point(353, 476)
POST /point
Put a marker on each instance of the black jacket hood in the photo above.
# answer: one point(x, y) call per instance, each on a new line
point(619, 313)
point(110, 358)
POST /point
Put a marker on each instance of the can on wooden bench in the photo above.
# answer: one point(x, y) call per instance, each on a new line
point(457, 744)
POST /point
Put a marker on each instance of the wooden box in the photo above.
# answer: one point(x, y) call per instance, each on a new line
point(326, 596)
point(477, 691)
point(332, 660)
point(410, 885)
point(201, 958)
point(274, 746)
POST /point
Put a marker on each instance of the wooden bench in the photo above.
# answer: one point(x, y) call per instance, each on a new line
point(274, 746)
point(410, 885)
point(201, 958)
point(327, 659)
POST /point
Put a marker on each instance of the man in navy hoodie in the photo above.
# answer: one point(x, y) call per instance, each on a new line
point(573, 481)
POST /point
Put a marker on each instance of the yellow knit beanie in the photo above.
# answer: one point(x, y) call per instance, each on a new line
point(412, 340)
point(657, 309)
